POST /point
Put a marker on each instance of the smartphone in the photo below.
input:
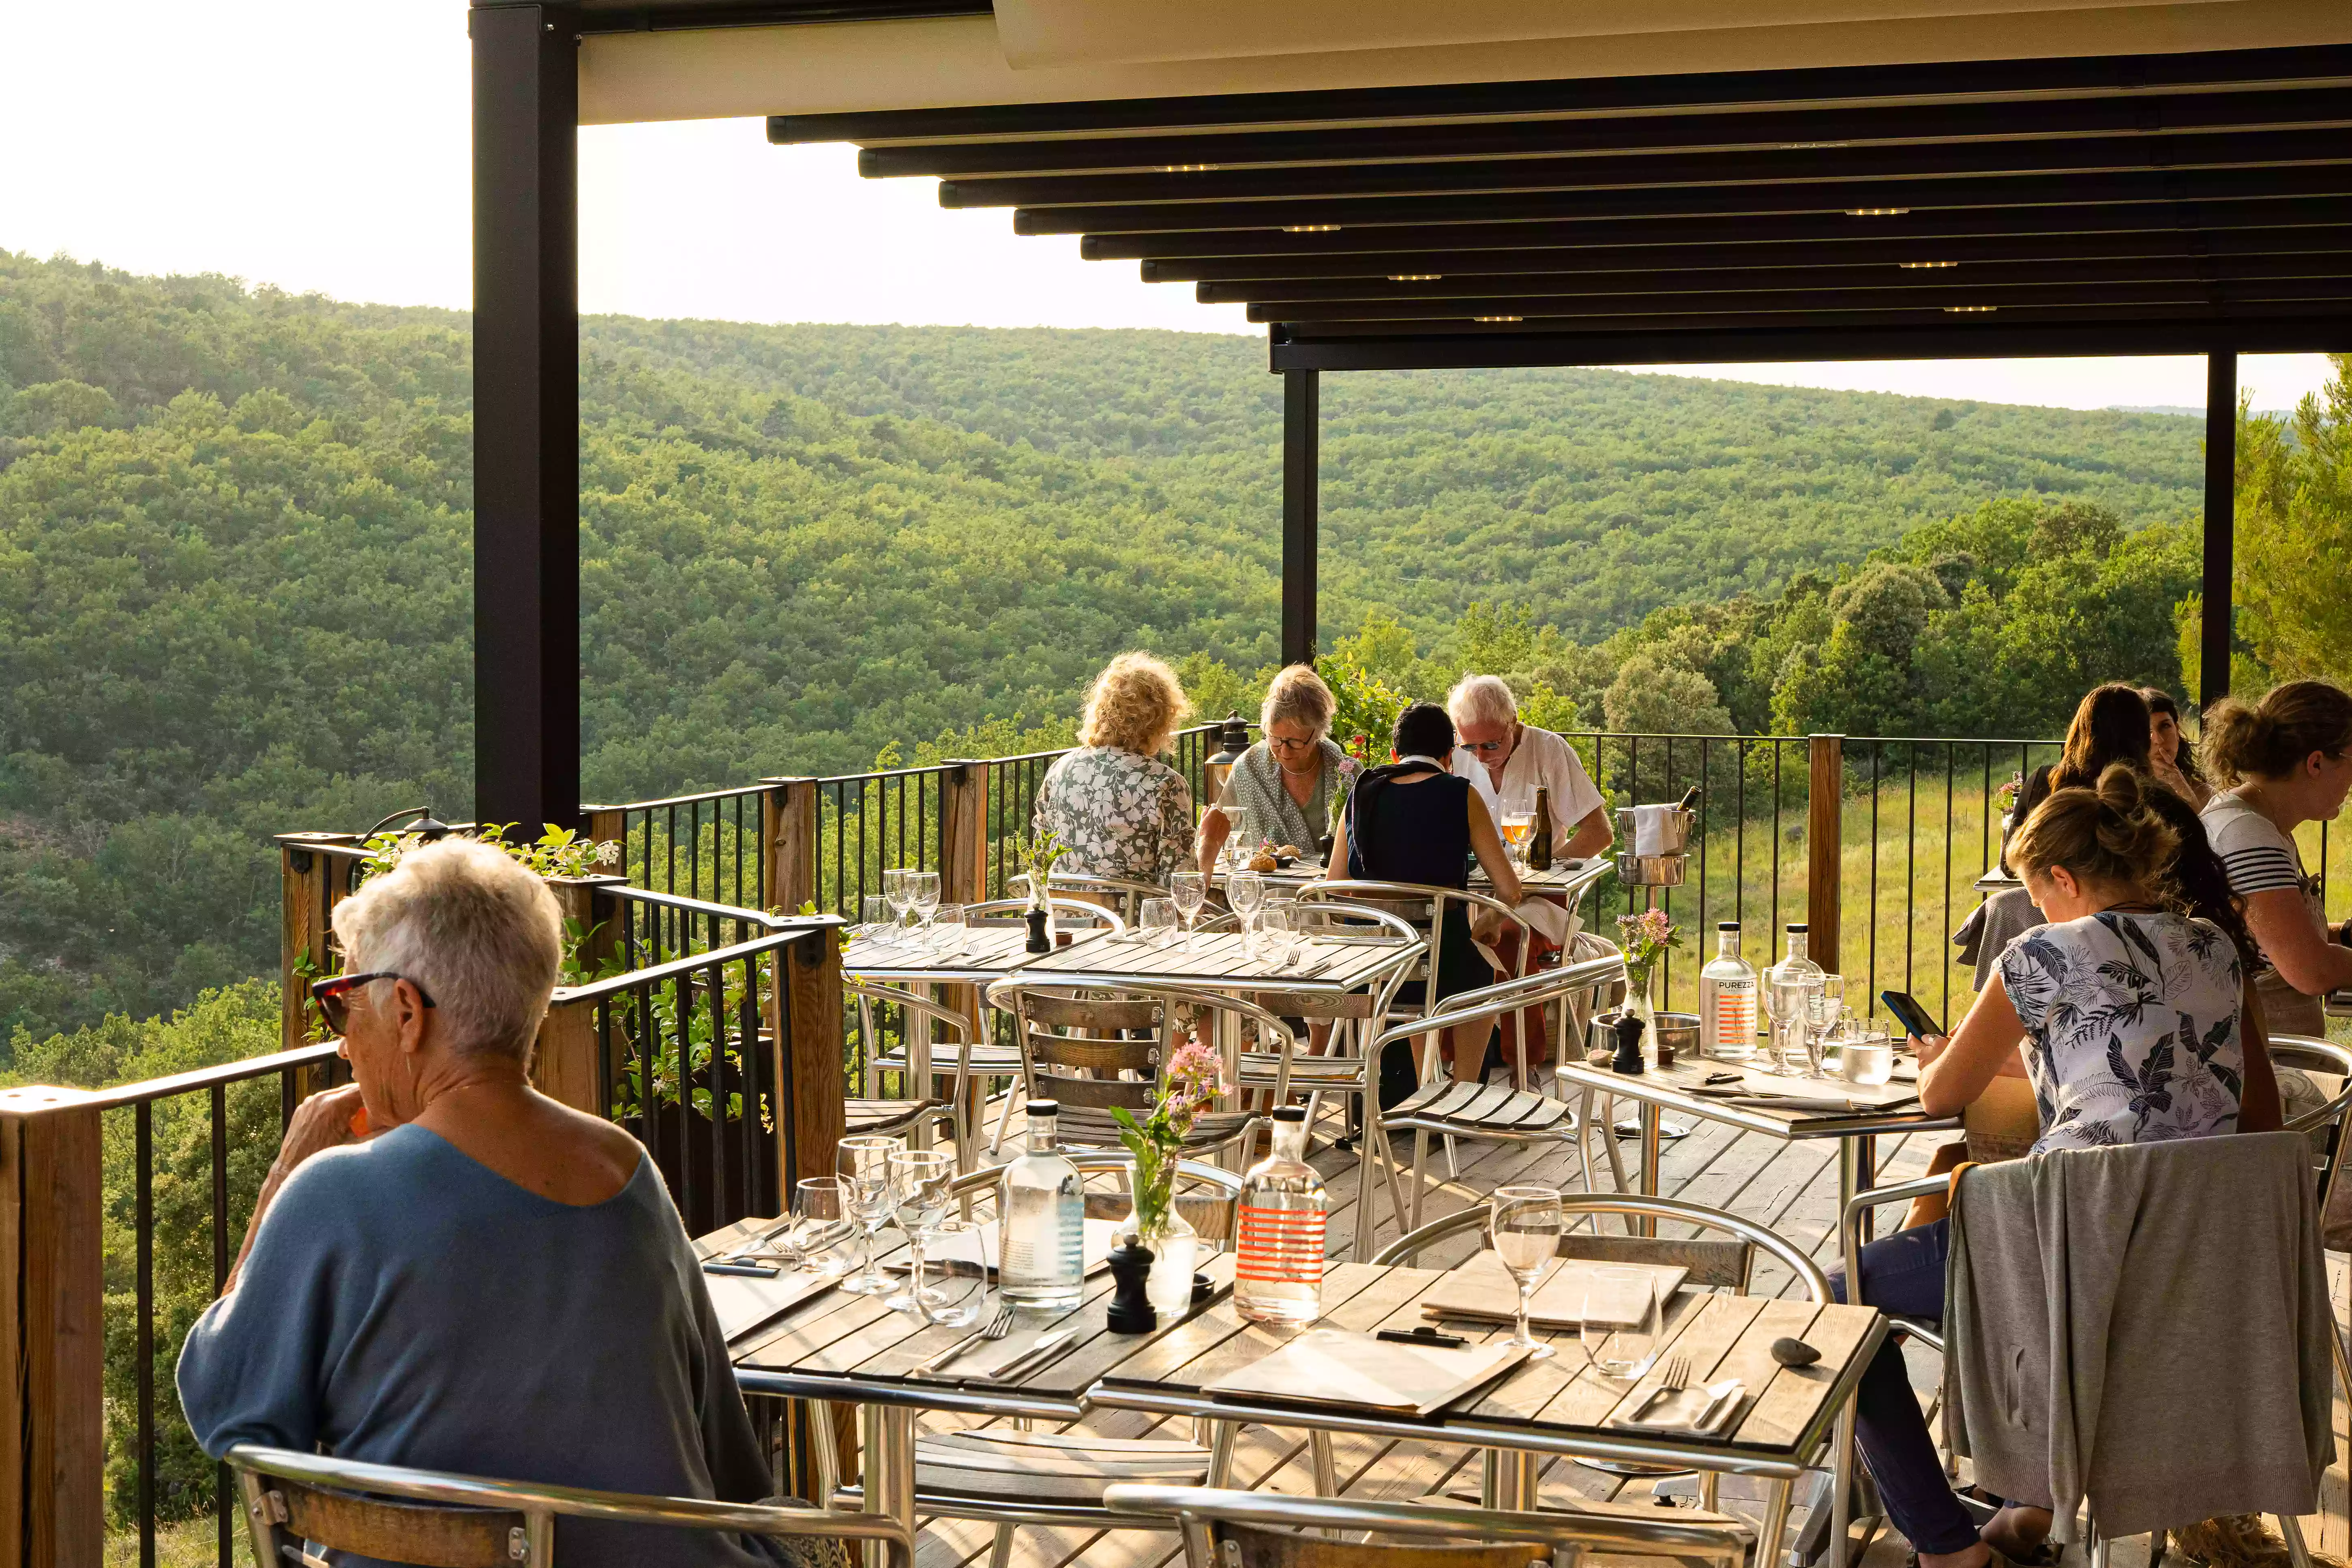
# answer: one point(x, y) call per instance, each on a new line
point(1914, 1019)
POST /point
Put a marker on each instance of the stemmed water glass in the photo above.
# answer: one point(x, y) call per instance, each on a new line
point(1523, 1224)
point(1189, 890)
point(876, 908)
point(864, 1161)
point(923, 897)
point(1246, 891)
point(919, 1179)
point(1823, 1009)
point(1242, 842)
point(895, 891)
point(947, 925)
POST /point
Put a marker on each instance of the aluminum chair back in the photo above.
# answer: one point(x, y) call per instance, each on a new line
point(1128, 892)
point(1438, 901)
point(1213, 1518)
point(1079, 909)
point(290, 1497)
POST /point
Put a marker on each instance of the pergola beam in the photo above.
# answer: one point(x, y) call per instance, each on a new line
point(1301, 511)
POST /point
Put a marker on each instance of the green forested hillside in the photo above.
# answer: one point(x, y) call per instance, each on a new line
point(234, 543)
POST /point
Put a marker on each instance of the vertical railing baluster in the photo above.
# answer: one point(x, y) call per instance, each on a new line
point(144, 1123)
point(223, 1496)
point(1877, 754)
point(1910, 860)
point(1772, 941)
point(1951, 761)
point(722, 1212)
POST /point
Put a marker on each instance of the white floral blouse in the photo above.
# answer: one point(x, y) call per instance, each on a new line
point(2131, 1024)
point(1117, 813)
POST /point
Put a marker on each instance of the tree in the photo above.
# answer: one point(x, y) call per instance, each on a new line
point(2295, 534)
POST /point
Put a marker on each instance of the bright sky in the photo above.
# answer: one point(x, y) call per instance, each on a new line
point(324, 147)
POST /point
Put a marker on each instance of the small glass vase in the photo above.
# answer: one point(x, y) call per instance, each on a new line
point(1638, 1005)
point(1175, 1249)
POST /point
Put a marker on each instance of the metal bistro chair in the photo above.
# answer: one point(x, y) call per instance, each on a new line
point(401, 1515)
point(1499, 1112)
point(1092, 1050)
point(2299, 1051)
point(977, 1059)
point(1228, 1528)
point(1127, 893)
point(1723, 1265)
point(1346, 1067)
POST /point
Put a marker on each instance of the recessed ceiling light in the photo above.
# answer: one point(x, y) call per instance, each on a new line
point(1186, 168)
point(1876, 211)
point(1310, 228)
point(1804, 146)
point(1919, 265)
point(1498, 318)
point(1970, 309)
point(1415, 277)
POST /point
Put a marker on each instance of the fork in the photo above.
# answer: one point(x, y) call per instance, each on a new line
point(1676, 1377)
point(996, 1328)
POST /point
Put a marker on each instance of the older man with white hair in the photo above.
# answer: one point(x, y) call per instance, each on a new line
point(1508, 761)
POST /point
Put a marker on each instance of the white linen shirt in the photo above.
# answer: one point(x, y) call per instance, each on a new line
point(1540, 759)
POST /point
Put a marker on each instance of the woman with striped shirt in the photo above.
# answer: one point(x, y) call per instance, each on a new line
point(2289, 758)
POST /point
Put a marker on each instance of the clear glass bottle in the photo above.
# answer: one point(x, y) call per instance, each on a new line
point(1040, 1210)
point(1278, 1260)
point(1790, 988)
point(1727, 1001)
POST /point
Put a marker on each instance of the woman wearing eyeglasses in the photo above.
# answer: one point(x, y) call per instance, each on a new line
point(1288, 780)
point(474, 1278)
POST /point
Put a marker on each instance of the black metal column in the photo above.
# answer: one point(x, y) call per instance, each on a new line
point(526, 415)
point(2220, 523)
point(1301, 456)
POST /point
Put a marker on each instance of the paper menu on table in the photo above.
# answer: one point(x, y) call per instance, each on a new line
point(745, 1302)
point(1834, 1092)
point(1483, 1289)
point(1329, 1366)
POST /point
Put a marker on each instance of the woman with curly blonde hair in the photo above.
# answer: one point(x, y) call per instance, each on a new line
point(1115, 808)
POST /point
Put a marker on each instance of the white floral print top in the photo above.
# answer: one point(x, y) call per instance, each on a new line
point(2131, 1028)
point(1118, 814)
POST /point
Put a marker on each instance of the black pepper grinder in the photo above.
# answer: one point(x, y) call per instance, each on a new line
point(1131, 1310)
point(1038, 940)
point(1628, 1045)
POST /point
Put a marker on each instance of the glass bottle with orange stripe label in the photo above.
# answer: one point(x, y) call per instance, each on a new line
point(1278, 1261)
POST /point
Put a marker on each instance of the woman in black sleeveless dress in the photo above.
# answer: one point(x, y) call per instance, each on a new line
point(1413, 821)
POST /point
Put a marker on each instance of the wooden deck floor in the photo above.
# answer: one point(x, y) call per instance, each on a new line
point(1793, 1188)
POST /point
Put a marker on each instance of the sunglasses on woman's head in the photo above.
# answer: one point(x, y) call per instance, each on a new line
point(333, 994)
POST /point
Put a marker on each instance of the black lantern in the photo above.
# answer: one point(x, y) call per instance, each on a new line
point(425, 826)
point(1231, 742)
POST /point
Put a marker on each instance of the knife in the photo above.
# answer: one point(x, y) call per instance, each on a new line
point(1029, 1360)
point(925, 1368)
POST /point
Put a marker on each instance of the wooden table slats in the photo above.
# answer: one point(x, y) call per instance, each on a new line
point(1221, 960)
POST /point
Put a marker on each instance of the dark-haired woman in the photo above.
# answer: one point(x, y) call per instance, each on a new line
point(2170, 758)
point(1413, 821)
point(2094, 860)
point(2287, 760)
point(2110, 726)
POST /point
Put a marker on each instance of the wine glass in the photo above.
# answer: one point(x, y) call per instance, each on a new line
point(1246, 891)
point(1242, 840)
point(923, 895)
point(1271, 934)
point(1156, 919)
point(1518, 815)
point(895, 891)
point(821, 1229)
point(1786, 1004)
point(864, 1161)
point(1621, 1319)
point(1524, 1222)
point(1188, 890)
point(919, 1179)
point(1823, 1009)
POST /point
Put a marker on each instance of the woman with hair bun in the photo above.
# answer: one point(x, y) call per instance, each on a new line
point(2130, 1020)
point(2287, 760)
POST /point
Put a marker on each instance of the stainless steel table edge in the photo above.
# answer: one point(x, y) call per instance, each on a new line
point(1749, 1118)
point(1311, 985)
point(908, 1395)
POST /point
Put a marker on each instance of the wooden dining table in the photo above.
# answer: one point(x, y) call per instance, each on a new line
point(852, 1350)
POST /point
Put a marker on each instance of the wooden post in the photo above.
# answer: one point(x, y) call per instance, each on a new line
point(609, 825)
point(52, 1332)
point(1825, 849)
point(789, 827)
point(566, 1065)
point(304, 902)
point(808, 974)
point(963, 833)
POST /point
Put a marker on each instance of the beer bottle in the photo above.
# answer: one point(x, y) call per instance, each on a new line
point(1539, 837)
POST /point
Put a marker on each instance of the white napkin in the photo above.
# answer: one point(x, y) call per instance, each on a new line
point(1650, 828)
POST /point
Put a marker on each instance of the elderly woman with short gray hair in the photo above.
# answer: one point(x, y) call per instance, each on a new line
point(448, 1270)
point(1288, 780)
